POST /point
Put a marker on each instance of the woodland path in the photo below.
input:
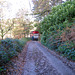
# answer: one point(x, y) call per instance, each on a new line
point(41, 62)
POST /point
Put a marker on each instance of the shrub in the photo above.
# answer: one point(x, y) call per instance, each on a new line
point(3, 57)
point(55, 24)
point(9, 48)
point(56, 20)
point(12, 52)
point(17, 47)
point(68, 50)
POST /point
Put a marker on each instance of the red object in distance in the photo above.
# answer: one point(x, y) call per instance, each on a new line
point(35, 32)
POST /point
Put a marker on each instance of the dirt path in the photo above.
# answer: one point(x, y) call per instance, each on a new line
point(40, 62)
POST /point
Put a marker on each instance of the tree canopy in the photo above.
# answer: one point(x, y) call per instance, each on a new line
point(43, 7)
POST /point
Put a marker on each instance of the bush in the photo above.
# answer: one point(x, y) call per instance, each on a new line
point(9, 48)
point(17, 47)
point(56, 20)
point(3, 57)
point(53, 27)
point(68, 50)
point(12, 52)
point(25, 40)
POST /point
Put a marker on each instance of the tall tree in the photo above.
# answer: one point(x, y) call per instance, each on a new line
point(6, 26)
point(23, 26)
point(43, 7)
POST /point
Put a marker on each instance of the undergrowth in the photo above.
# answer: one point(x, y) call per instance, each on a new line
point(9, 48)
point(58, 29)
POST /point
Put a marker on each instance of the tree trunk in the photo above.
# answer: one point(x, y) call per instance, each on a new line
point(2, 37)
point(2, 34)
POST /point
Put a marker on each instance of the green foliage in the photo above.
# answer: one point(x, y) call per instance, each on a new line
point(54, 40)
point(68, 50)
point(3, 57)
point(9, 48)
point(2, 68)
point(54, 26)
point(24, 40)
point(63, 12)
